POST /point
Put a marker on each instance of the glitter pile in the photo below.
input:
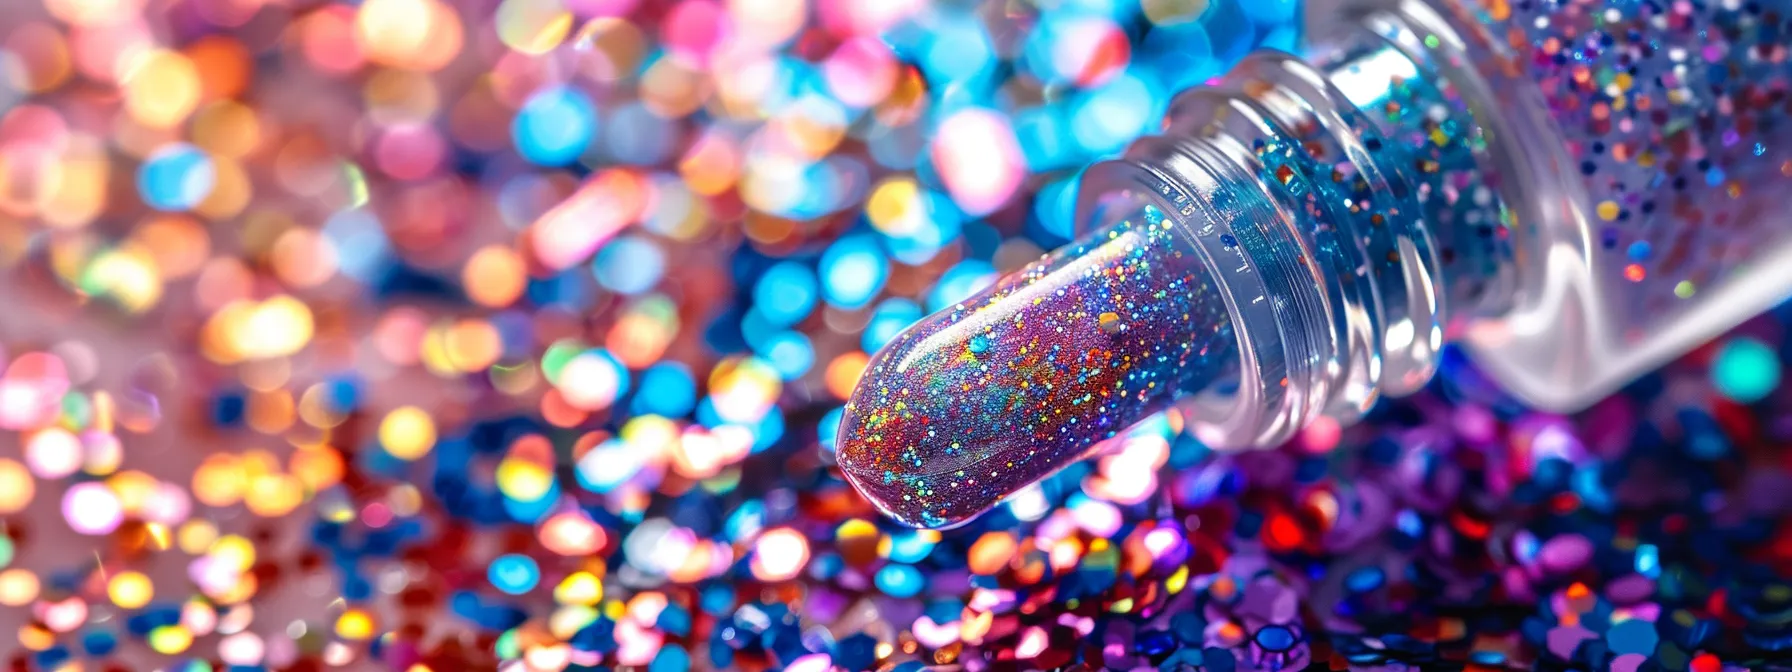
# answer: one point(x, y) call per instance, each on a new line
point(453, 335)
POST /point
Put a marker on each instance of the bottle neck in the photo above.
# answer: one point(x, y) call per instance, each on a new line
point(1351, 205)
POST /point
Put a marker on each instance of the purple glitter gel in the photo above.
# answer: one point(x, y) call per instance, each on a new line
point(1576, 190)
point(1009, 386)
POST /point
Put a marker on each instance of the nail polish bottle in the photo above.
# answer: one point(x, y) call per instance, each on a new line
point(1575, 191)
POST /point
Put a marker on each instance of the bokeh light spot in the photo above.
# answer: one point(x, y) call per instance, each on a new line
point(514, 574)
point(162, 90)
point(533, 27)
point(407, 433)
point(555, 126)
point(130, 590)
point(1745, 370)
point(176, 177)
point(779, 554)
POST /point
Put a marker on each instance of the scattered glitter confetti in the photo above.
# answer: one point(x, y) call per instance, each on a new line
point(435, 335)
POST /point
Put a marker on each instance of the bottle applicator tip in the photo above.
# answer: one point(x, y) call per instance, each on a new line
point(985, 398)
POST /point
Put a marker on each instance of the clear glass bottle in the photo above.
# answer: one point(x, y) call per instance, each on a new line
point(1576, 190)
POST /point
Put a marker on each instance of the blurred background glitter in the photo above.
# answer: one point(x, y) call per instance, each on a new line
point(478, 334)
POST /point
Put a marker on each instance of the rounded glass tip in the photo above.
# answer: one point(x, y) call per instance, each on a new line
point(987, 397)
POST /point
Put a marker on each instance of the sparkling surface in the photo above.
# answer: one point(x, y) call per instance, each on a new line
point(227, 373)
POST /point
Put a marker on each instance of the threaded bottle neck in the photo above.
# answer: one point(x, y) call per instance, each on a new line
point(1349, 207)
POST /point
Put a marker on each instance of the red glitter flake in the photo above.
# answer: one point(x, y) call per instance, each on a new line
point(1469, 526)
point(1106, 58)
point(1283, 533)
point(1736, 421)
point(1565, 502)
point(1717, 605)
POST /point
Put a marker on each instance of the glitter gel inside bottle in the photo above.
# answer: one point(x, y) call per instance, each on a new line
point(1574, 190)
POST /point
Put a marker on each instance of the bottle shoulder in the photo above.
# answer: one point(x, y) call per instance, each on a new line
point(1587, 331)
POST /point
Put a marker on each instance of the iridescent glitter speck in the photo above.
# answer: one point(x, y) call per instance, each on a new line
point(1003, 389)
